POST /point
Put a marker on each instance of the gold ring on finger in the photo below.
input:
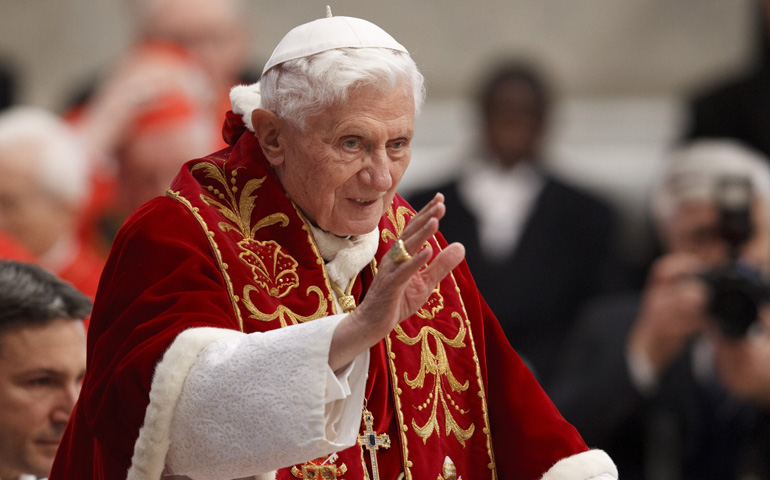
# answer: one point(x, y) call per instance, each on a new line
point(398, 252)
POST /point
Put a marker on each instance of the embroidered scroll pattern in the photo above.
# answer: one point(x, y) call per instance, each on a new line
point(398, 220)
point(432, 364)
point(437, 365)
point(273, 270)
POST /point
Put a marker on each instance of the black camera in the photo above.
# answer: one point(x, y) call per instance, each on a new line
point(737, 290)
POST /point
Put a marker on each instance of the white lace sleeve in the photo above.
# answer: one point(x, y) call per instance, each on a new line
point(254, 403)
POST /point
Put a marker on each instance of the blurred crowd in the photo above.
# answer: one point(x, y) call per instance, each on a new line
point(670, 375)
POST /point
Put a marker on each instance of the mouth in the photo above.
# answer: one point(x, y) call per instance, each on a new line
point(363, 202)
point(48, 442)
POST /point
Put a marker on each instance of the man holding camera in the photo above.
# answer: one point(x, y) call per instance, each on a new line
point(674, 381)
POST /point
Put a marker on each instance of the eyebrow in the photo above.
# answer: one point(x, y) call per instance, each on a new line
point(40, 371)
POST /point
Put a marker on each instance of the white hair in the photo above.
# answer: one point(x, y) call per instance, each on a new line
point(304, 87)
point(63, 168)
point(693, 172)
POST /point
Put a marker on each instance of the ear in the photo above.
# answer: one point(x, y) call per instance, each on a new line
point(267, 129)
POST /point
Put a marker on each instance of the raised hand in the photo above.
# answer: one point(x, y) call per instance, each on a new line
point(398, 289)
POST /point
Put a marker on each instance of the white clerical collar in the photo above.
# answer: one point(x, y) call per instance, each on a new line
point(345, 257)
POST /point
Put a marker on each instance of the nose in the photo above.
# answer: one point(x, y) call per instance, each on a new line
point(65, 403)
point(377, 173)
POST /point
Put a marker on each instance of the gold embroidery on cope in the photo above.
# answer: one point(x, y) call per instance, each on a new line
point(486, 430)
point(272, 269)
point(320, 469)
point(398, 220)
point(437, 365)
point(218, 255)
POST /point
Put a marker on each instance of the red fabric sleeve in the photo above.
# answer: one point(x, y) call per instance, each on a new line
point(160, 279)
point(528, 432)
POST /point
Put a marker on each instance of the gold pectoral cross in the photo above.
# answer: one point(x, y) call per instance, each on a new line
point(371, 441)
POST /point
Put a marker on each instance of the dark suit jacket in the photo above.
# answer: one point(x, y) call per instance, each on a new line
point(738, 109)
point(687, 429)
point(559, 262)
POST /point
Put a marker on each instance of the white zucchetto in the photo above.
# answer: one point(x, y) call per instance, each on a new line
point(330, 33)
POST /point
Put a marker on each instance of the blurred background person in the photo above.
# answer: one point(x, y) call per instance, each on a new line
point(148, 156)
point(44, 184)
point(640, 377)
point(213, 31)
point(537, 246)
point(184, 52)
point(161, 104)
point(42, 363)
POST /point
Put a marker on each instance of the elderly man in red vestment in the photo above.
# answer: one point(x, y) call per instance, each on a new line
point(281, 313)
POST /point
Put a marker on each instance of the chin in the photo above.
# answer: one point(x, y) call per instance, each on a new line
point(355, 229)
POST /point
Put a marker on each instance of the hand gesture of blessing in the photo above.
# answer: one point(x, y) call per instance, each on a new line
point(400, 287)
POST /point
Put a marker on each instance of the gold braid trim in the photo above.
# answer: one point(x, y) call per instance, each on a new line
point(215, 248)
point(482, 394)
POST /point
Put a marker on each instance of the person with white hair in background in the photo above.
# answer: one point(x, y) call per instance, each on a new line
point(674, 381)
point(283, 313)
point(160, 103)
point(44, 184)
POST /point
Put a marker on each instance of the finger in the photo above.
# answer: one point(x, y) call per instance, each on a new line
point(437, 198)
point(435, 209)
point(415, 241)
point(446, 261)
point(400, 272)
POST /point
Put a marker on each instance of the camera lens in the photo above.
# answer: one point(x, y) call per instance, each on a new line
point(735, 309)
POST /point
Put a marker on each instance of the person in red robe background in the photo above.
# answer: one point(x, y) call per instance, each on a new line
point(282, 313)
point(44, 186)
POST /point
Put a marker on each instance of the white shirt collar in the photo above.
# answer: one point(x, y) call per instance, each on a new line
point(501, 199)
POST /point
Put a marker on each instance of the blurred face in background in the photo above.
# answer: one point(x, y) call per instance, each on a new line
point(35, 217)
point(213, 30)
point(149, 161)
point(694, 228)
point(41, 371)
point(514, 122)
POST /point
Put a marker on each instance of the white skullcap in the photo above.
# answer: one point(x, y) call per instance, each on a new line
point(327, 34)
point(310, 39)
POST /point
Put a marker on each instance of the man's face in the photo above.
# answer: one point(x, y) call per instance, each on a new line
point(344, 169)
point(514, 123)
point(41, 370)
point(694, 228)
point(36, 218)
point(149, 161)
point(213, 30)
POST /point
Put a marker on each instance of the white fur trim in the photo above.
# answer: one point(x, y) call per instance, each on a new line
point(150, 448)
point(345, 257)
point(593, 464)
point(244, 99)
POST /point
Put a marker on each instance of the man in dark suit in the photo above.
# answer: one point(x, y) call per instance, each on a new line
point(649, 376)
point(536, 245)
